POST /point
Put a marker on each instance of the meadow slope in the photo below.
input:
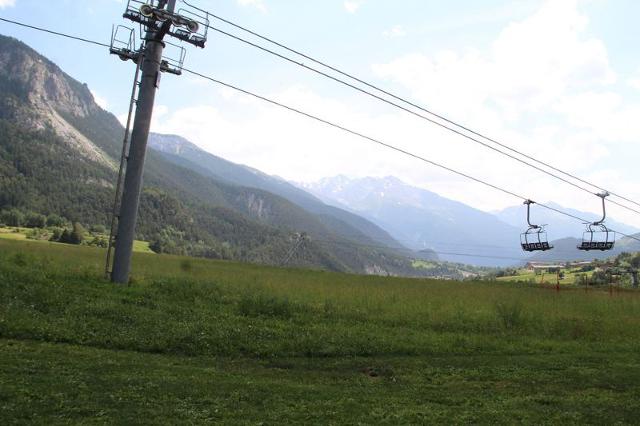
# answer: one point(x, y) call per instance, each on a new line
point(192, 341)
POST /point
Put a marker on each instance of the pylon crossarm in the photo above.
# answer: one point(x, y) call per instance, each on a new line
point(184, 25)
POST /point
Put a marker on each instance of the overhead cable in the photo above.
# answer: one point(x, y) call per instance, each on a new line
point(415, 105)
point(342, 128)
point(85, 40)
point(387, 145)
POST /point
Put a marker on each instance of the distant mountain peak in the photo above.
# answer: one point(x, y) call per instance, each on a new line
point(421, 218)
point(171, 144)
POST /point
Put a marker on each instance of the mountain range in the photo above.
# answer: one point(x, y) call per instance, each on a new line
point(422, 219)
point(182, 152)
point(59, 153)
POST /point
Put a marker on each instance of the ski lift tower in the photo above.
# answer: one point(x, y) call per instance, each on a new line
point(157, 19)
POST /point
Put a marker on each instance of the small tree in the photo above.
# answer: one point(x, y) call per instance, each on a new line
point(77, 234)
point(56, 236)
point(635, 267)
point(99, 242)
point(73, 236)
point(35, 220)
point(65, 237)
point(98, 229)
point(53, 220)
point(13, 217)
point(599, 278)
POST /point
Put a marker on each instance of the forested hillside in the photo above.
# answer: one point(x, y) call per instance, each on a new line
point(59, 154)
point(180, 151)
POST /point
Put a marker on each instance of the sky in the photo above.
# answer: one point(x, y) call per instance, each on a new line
point(557, 79)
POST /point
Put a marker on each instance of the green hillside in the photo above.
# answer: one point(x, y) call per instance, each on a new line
point(58, 155)
point(195, 341)
point(182, 152)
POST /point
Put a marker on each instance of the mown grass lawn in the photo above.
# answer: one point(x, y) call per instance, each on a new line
point(193, 341)
point(570, 277)
point(11, 234)
point(20, 234)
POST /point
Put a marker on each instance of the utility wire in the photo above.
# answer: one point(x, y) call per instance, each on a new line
point(353, 132)
point(413, 104)
point(339, 127)
point(414, 252)
point(389, 146)
point(357, 239)
point(328, 76)
point(97, 43)
point(444, 253)
point(105, 45)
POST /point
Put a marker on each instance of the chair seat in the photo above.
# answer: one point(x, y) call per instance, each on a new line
point(536, 246)
point(596, 245)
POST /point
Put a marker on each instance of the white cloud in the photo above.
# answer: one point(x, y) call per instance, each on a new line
point(635, 80)
point(352, 6)
point(531, 64)
point(544, 87)
point(604, 114)
point(285, 144)
point(395, 32)
point(7, 3)
point(502, 12)
point(258, 4)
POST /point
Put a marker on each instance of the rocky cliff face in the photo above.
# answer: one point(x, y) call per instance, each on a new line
point(57, 148)
point(45, 83)
point(43, 95)
point(256, 206)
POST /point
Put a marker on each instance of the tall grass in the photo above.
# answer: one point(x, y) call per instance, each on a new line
point(190, 306)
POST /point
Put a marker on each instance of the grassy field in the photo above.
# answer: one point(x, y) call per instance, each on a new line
point(20, 234)
point(12, 234)
point(195, 341)
point(525, 275)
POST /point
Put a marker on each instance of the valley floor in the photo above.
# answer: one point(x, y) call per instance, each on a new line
point(196, 341)
point(23, 234)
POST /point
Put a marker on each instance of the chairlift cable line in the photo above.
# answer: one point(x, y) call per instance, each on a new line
point(106, 45)
point(444, 126)
point(389, 146)
point(408, 102)
point(85, 40)
point(408, 250)
point(448, 253)
point(340, 127)
point(448, 245)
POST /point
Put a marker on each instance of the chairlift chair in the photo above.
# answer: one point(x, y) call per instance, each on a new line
point(535, 237)
point(597, 236)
